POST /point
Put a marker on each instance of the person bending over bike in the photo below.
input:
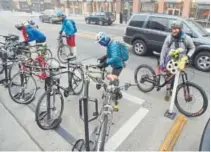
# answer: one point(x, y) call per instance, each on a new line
point(69, 28)
point(114, 57)
point(177, 39)
point(31, 34)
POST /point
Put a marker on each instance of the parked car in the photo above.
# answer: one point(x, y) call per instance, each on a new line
point(49, 16)
point(146, 32)
point(100, 18)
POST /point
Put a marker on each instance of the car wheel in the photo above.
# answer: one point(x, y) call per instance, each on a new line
point(87, 21)
point(101, 23)
point(109, 23)
point(50, 21)
point(202, 61)
point(139, 47)
point(41, 19)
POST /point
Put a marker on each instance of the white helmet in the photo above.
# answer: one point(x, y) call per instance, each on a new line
point(102, 38)
point(25, 23)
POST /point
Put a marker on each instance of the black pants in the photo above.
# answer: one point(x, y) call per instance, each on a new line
point(117, 72)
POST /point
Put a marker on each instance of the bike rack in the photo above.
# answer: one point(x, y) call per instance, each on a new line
point(169, 113)
point(6, 78)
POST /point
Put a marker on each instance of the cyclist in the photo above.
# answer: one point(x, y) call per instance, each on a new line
point(113, 57)
point(31, 34)
point(69, 28)
point(177, 39)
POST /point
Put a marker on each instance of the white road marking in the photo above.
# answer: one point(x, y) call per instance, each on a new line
point(116, 140)
point(132, 98)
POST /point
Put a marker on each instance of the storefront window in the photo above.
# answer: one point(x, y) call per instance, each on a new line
point(149, 7)
point(200, 13)
point(173, 8)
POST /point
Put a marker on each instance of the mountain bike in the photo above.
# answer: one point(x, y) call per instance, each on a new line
point(23, 87)
point(63, 50)
point(150, 80)
point(52, 100)
point(96, 141)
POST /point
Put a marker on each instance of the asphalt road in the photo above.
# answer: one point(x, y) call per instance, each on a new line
point(139, 125)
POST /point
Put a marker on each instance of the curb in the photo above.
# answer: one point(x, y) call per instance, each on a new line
point(173, 134)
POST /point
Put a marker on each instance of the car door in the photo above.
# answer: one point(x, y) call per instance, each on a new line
point(91, 18)
point(156, 32)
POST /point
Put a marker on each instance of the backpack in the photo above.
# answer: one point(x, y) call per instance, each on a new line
point(123, 51)
point(74, 26)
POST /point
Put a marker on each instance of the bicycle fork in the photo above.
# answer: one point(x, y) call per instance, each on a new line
point(186, 88)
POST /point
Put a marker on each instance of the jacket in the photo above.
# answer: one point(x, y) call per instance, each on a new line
point(34, 35)
point(114, 55)
point(187, 45)
point(67, 27)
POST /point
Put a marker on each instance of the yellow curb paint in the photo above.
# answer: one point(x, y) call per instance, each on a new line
point(173, 134)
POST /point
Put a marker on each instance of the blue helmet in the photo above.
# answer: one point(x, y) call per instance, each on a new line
point(103, 39)
point(60, 13)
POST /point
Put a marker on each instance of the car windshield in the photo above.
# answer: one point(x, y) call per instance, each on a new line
point(52, 12)
point(198, 28)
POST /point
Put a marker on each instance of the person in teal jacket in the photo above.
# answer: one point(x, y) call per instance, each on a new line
point(112, 57)
point(69, 28)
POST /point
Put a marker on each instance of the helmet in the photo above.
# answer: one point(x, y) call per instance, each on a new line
point(31, 22)
point(25, 23)
point(19, 26)
point(103, 39)
point(60, 13)
point(177, 24)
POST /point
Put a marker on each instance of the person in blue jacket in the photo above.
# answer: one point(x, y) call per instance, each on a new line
point(113, 56)
point(69, 28)
point(31, 34)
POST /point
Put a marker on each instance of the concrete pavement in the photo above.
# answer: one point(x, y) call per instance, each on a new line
point(146, 133)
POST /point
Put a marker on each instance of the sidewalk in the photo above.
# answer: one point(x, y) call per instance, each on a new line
point(12, 136)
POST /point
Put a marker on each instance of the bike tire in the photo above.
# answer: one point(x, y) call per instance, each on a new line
point(102, 134)
point(138, 81)
point(50, 54)
point(29, 100)
point(62, 60)
point(57, 121)
point(11, 70)
point(1, 66)
point(73, 80)
point(204, 97)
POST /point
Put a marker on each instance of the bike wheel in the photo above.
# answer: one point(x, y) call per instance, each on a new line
point(191, 91)
point(22, 88)
point(48, 54)
point(77, 81)
point(142, 77)
point(1, 66)
point(63, 52)
point(14, 69)
point(47, 115)
point(102, 134)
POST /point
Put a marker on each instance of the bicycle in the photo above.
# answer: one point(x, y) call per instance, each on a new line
point(63, 50)
point(43, 54)
point(53, 89)
point(100, 132)
point(154, 80)
point(21, 79)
